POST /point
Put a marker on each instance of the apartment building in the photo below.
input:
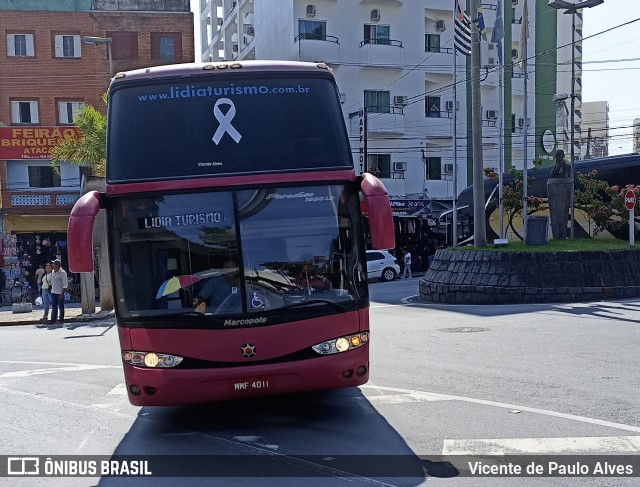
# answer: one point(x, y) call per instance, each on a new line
point(395, 58)
point(595, 129)
point(55, 57)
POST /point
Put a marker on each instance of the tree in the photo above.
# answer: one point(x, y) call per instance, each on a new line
point(90, 147)
point(603, 205)
point(512, 195)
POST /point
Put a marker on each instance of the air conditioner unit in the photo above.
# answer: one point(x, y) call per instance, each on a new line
point(375, 15)
point(492, 114)
point(440, 27)
point(449, 106)
point(311, 10)
point(399, 166)
point(448, 168)
point(400, 100)
point(521, 122)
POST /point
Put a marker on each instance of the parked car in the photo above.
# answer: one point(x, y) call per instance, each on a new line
point(382, 265)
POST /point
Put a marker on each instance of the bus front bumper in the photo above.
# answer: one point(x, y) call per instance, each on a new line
point(164, 387)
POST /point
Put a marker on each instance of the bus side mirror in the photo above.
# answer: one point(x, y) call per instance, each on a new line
point(80, 232)
point(378, 208)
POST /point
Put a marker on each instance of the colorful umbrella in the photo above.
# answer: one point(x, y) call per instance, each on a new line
point(176, 282)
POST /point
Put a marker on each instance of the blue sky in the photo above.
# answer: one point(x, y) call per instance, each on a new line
point(615, 81)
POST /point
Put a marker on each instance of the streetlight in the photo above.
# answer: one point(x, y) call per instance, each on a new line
point(94, 41)
point(572, 8)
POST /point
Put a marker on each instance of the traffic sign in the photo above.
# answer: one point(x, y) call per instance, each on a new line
point(629, 200)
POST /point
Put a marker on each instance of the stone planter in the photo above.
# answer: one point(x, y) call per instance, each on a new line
point(22, 307)
point(492, 277)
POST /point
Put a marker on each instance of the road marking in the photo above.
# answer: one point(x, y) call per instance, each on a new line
point(119, 389)
point(403, 398)
point(71, 368)
point(66, 404)
point(545, 412)
point(542, 446)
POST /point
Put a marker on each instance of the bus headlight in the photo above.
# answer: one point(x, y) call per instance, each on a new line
point(151, 359)
point(342, 344)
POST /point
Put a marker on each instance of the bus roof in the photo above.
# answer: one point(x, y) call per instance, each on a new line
point(222, 67)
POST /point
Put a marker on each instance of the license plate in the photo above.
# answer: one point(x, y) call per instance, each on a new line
point(251, 384)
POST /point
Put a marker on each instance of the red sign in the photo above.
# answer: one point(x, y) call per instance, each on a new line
point(31, 142)
point(629, 200)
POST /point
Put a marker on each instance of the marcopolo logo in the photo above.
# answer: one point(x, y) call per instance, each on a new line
point(249, 321)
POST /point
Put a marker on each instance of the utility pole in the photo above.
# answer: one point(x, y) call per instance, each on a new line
point(479, 223)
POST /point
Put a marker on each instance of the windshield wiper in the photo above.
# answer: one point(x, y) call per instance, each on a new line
point(314, 301)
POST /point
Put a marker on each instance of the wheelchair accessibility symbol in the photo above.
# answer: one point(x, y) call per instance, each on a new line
point(258, 300)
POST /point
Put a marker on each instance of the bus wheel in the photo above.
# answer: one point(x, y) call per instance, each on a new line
point(388, 274)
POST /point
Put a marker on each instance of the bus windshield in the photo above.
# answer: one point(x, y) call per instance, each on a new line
point(212, 254)
point(224, 125)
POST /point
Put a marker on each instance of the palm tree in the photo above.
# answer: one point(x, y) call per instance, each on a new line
point(90, 148)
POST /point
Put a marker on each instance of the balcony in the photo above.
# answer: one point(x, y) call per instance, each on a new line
point(380, 121)
point(385, 52)
point(316, 47)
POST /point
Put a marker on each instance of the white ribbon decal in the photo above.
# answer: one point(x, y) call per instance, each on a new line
point(225, 121)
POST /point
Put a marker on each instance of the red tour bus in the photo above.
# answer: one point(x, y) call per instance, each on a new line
point(236, 240)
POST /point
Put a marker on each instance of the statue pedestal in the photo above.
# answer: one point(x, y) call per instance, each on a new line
point(559, 194)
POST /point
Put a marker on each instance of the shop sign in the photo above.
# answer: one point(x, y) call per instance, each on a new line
point(415, 207)
point(31, 142)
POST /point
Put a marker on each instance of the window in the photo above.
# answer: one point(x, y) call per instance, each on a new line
point(379, 165)
point(124, 45)
point(432, 106)
point(43, 177)
point(24, 112)
point(432, 43)
point(67, 110)
point(513, 123)
point(67, 46)
point(312, 29)
point(377, 101)
point(166, 46)
point(20, 45)
point(377, 34)
point(434, 168)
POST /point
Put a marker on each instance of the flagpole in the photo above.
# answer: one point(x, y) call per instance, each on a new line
point(524, 36)
point(501, 129)
point(454, 221)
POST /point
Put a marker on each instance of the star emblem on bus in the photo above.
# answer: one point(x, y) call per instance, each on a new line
point(248, 350)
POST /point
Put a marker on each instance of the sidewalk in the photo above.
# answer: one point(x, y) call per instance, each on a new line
point(72, 314)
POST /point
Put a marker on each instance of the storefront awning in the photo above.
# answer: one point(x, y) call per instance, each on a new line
point(35, 223)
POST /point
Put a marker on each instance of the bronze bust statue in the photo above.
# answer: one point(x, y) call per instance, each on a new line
point(561, 169)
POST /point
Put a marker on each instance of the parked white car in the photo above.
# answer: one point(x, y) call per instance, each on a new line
point(382, 265)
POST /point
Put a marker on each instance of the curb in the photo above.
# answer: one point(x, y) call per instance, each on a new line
point(74, 319)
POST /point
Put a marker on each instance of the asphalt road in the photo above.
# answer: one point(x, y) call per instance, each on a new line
point(445, 380)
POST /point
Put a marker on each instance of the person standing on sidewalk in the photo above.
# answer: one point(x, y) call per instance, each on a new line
point(46, 290)
point(407, 264)
point(59, 286)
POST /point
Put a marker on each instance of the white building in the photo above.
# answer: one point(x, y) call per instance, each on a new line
point(396, 58)
point(595, 129)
